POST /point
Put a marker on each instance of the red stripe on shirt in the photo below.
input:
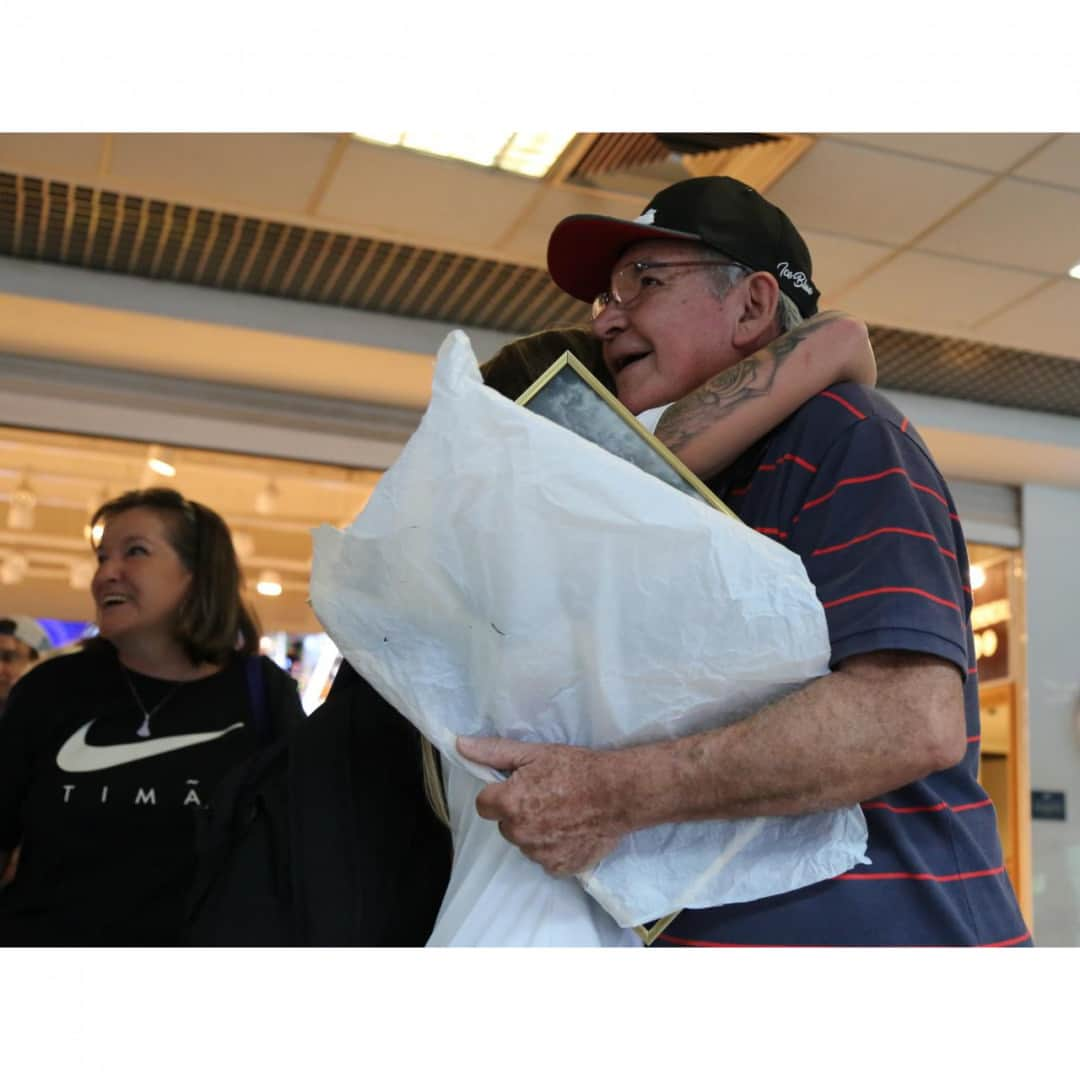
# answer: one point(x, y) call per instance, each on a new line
point(904, 425)
point(930, 491)
point(972, 806)
point(960, 808)
point(1007, 941)
point(847, 404)
point(869, 478)
point(892, 589)
point(974, 738)
point(768, 530)
point(901, 875)
point(878, 532)
point(801, 462)
point(772, 466)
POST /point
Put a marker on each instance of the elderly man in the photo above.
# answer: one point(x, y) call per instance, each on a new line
point(707, 275)
point(22, 641)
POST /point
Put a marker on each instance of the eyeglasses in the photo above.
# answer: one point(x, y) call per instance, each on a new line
point(628, 281)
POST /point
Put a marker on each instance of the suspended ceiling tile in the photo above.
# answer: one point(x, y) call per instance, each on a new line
point(1017, 223)
point(1059, 163)
point(51, 155)
point(878, 196)
point(994, 152)
point(1046, 322)
point(271, 172)
point(918, 291)
point(424, 200)
point(839, 259)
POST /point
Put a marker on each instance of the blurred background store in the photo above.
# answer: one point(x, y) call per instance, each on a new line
point(252, 319)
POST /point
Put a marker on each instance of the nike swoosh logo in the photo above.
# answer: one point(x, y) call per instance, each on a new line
point(77, 755)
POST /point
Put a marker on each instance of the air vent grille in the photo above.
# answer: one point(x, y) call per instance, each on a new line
point(77, 226)
point(101, 230)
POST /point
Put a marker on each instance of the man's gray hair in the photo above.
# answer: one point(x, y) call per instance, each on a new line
point(788, 314)
point(726, 275)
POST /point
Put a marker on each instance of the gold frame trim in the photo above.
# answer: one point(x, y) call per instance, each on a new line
point(569, 360)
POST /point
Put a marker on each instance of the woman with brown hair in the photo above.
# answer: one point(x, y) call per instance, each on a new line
point(107, 755)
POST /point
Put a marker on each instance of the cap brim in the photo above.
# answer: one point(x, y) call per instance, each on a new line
point(583, 249)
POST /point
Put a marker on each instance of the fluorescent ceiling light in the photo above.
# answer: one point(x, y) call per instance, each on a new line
point(1075, 271)
point(266, 501)
point(526, 153)
point(93, 534)
point(13, 568)
point(160, 462)
point(269, 584)
point(977, 575)
point(21, 508)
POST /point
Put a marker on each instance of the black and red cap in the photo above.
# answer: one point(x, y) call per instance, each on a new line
point(719, 211)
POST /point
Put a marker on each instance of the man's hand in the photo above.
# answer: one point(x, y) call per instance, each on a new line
point(558, 805)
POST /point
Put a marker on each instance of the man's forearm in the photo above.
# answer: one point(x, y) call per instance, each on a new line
point(879, 722)
point(856, 733)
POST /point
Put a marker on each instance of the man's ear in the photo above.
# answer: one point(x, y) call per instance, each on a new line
point(756, 325)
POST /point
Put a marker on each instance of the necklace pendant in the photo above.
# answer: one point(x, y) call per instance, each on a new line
point(144, 728)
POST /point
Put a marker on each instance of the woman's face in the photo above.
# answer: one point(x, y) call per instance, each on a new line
point(140, 581)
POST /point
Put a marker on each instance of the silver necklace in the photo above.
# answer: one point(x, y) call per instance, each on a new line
point(144, 728)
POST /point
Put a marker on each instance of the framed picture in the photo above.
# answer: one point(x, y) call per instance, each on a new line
point(570, 395)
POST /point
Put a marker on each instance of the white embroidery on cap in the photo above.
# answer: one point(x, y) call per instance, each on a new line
point(647, 218)
point(798, 278)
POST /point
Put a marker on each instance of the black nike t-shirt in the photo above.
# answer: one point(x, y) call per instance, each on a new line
point(106, 815)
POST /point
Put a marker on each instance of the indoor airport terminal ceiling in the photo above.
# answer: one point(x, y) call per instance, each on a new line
point(310, 277)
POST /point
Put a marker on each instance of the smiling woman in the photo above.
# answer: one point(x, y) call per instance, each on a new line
point(108, 754)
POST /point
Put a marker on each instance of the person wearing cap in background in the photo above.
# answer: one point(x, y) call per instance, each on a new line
point(682, 296)
point(22, 643)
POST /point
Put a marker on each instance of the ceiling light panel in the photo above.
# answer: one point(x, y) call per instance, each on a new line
point(160, 461)
point(269, 584)
point(525, 153)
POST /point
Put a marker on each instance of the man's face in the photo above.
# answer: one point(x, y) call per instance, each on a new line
point(675, 334)
point(14, 660)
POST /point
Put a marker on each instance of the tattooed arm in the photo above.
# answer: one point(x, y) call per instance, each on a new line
point(711, 426)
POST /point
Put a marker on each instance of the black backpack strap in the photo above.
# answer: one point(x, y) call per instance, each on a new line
point(236, 896)
point(260, 708)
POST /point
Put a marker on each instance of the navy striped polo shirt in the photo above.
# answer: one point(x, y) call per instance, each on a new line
point(848, 484)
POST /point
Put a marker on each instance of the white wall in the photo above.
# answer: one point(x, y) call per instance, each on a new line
point(1051, 527)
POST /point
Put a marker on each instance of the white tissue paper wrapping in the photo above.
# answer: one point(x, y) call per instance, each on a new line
point(507, 577)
